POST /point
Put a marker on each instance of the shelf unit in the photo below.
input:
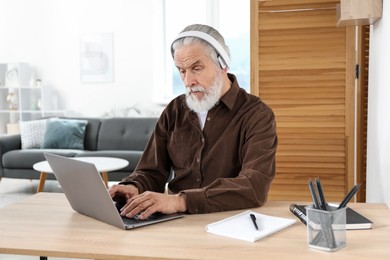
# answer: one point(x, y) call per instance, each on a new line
point(358, 12)
point(28, 103)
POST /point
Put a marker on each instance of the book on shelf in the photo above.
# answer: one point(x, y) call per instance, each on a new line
point(241, 226)
point(354, 219)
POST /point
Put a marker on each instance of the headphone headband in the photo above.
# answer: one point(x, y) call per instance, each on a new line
point(223, 58)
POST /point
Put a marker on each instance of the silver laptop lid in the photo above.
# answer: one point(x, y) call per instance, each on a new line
point(84, 189)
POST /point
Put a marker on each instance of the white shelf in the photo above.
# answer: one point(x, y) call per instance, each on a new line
point(29, 103)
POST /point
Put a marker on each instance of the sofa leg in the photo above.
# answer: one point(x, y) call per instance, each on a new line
point(42, 180)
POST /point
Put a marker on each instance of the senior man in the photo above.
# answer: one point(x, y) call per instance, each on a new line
point(218, 140)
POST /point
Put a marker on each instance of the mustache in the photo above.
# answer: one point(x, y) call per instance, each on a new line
point(195, 89)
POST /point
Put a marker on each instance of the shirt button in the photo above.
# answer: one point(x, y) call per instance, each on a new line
point(198, 160)
point(208, 119)
point(202, 140)
point(198, 180)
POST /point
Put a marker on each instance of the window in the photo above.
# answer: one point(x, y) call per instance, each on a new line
point(230, 17)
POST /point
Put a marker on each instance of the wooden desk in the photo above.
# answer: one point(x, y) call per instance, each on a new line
point(45, 225)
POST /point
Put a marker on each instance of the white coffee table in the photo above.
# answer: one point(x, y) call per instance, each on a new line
point(102, 164)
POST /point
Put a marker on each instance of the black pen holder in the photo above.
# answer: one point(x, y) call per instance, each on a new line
point(326, 230)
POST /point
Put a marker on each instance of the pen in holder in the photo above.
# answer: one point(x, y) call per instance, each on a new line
point(326, 230)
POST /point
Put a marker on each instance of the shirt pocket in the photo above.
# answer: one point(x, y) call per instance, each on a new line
point(180, 148)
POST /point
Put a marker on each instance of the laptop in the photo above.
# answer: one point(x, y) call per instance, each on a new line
point(87, 194)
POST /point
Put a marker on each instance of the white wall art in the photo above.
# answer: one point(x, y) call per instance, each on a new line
point(96, 58)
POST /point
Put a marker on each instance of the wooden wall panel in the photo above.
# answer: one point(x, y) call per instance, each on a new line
point(300, 71)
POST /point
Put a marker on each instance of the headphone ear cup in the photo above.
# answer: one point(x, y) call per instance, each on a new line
point(222, 63)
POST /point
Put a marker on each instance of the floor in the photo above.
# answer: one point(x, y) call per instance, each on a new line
point(12, 190)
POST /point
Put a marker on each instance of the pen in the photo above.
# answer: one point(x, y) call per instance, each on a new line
point(321, 194)
point(313, 195)
point(349, 196)
point(253, 217)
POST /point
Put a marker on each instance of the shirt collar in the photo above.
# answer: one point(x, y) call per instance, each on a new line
point(230, 97)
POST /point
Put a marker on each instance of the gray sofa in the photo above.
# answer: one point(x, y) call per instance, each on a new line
point(124, 138)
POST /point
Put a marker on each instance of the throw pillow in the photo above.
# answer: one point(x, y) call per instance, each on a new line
point(65, 134)
point(32, 133)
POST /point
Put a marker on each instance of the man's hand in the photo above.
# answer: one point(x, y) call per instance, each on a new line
point(148, 203)
point(122, 193)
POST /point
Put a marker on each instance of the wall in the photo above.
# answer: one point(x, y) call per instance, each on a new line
point(46, 34)
point(378, 139)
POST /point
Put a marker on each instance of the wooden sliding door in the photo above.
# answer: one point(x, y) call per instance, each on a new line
point(302, 65)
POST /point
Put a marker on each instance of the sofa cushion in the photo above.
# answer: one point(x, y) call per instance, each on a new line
point(91, 132)
point(65, 134)
point(32, 133)
point(130, 134)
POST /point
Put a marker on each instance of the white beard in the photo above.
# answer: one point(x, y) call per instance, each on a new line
point(209, 99)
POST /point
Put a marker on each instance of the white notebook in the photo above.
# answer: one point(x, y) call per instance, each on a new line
point(240, 226)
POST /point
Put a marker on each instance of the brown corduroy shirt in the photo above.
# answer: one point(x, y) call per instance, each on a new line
point(229, 165)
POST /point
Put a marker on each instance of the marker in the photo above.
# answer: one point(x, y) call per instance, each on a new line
point(253, 217)
point(298, 213)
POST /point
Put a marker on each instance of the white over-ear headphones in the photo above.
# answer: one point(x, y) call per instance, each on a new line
point(223, 57)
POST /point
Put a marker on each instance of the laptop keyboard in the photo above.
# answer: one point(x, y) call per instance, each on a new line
point(135, 219)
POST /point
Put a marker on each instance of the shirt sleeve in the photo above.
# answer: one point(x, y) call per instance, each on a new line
point(154, 167)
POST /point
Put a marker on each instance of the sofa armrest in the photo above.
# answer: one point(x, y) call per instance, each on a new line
point(8, 143)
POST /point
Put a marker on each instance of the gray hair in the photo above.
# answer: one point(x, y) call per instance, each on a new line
point(193, 40)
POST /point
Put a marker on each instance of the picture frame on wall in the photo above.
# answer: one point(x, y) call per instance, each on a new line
point(96, 58)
